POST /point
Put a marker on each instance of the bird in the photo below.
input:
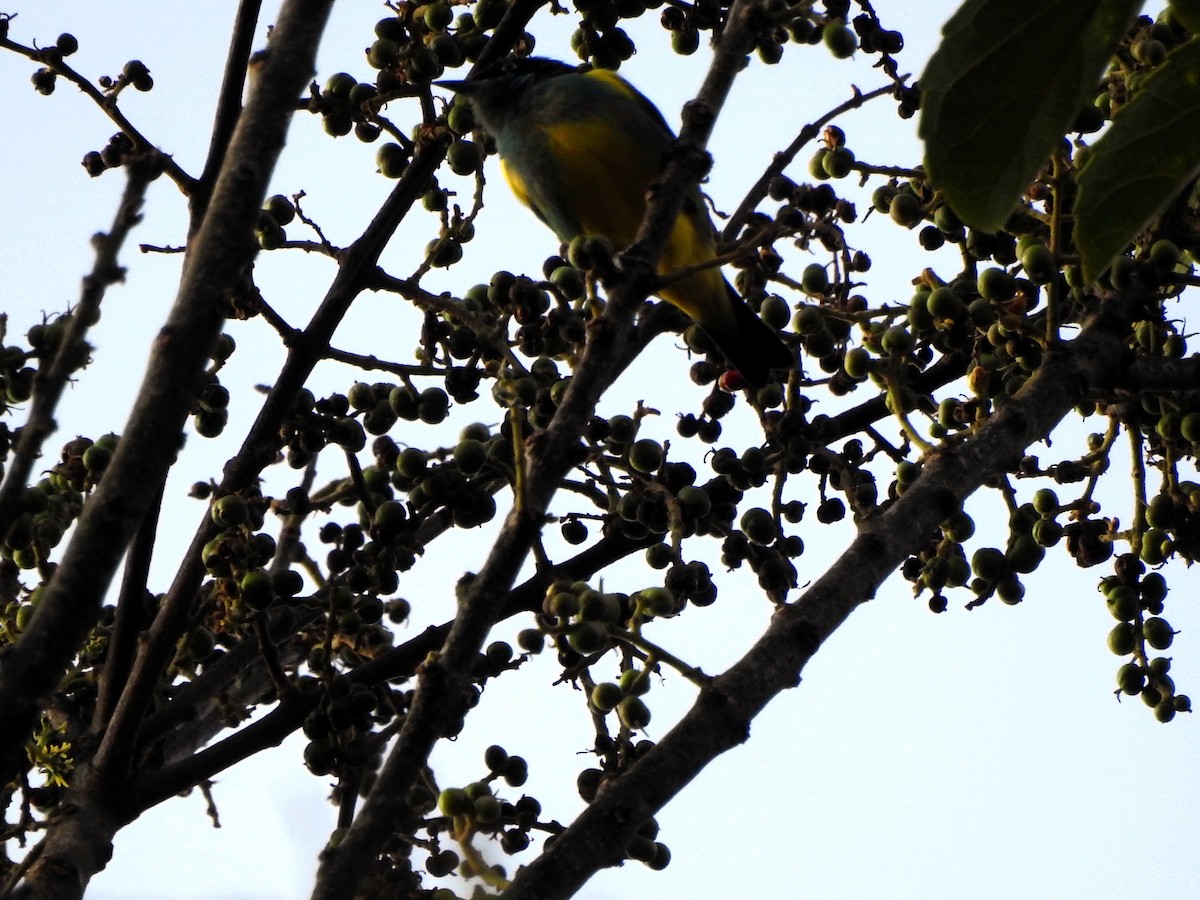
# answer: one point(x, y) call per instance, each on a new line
point(581, 148)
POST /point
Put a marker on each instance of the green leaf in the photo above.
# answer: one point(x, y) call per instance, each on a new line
point(1187, 13)
point(1148, 154)
point(1003, 87)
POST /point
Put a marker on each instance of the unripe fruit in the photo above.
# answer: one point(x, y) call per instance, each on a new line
point(1045, 501)
point(897, 340)
point(814, 279)
point(382, 54)
point(595, 606)
point(694, 500)
point(605, 696)
point(840, 40)
point(633, 713)
point(1189, 428)
point(1153, 588)
point(470, 455)
point(996, 284)
point(989, 563)
point(944, 303)
point(1123, 604)
point(230, 510)
point(657, 601)
point(838, 163)
point(438, 16)
point(464, 157)
point(1164, 255)
point(883, 196)
point(1121, 639)
point(816, 164)
point(1039, 263)
point(1152, 547)
point(587, 638)
point(905, 209)
point(1158, 633)
point(759, 526)
point(1131, 679)
point(857, 363)
point(646, 456)
point(1047, 532)
point(280, 209)
point(495, 758)
point(454, 802)
point(392, 160)
point(531, 640)
point(257, 589)
point(1164, 711)
point(1010, 590)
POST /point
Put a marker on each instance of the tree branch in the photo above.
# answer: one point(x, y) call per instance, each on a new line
point(53, 374)
point(131, 617)
point(1160, 374)
point(80, 844)
point(720, 718)
point(229, 105)
point(441, 695)
point(109, 106)
point(400, 662)
point(262, 442)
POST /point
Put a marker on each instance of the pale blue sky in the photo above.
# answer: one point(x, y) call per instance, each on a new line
point(975, 754)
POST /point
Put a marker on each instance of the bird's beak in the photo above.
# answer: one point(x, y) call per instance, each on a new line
point(459, 87)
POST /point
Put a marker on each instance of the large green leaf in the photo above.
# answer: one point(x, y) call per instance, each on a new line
point(1003, 87)
point(1150, 151)
point(1187, 12)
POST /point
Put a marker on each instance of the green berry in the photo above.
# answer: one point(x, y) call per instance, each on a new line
point(657, 601)
point(633, 713)
point(392, 160)
point(1121, 639)
point(646, 456)
point(1158, 633)
point(838, 163)
point(257, 589)
point(839, 40)
point(438, 16)
point(815, 279)
point(905, 209)
point(230, 510)
point(1039, 263)
point(897, 341)
point(996, 284)
point(1045, 502)
point(605, 696)
point(759, 526)
point(989, 563)
point(454, 802)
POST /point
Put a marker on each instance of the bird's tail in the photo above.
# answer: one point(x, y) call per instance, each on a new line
point(753, 347)
point(748, 343)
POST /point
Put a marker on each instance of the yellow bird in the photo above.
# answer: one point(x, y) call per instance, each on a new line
point(581, 148)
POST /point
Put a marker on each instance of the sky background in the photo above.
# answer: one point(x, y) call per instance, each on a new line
point(974, 754)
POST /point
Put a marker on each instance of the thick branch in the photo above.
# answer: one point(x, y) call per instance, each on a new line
point(133, 613)
point(441, 695)
point(721, 716)
point(262, 442)
point(229, 104)
point(223, 249)
point(53, 374)
point(198, 699)
point(109, 107)
point(1153, 374)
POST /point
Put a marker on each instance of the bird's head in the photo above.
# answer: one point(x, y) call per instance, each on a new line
point(498, 91)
